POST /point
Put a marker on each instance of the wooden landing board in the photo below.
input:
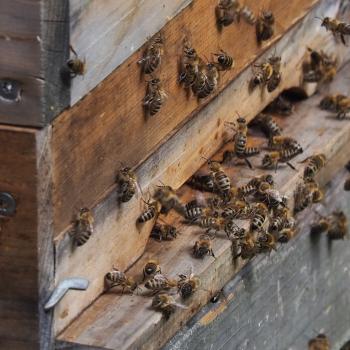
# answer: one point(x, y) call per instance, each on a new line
point(108, 125)
point(281, 301)
point(108, 33)
point(173, 164)
point(135, 324)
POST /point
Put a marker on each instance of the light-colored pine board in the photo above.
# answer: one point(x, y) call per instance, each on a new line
point(173, 164)
point(107, 34)
point(113, 111)
point(282, 300)
point(134, 324)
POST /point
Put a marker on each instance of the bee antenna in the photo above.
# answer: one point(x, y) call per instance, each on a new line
point(319, 18)
point(74, 52)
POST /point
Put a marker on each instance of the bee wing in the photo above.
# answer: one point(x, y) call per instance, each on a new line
point(181, 306)
point(160, 277)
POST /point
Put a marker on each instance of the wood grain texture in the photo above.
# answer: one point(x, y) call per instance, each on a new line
point(19, 323)
point(106, 35)
point(282, 301)
point(136, 325)
point(172, 164)
point(113, 111)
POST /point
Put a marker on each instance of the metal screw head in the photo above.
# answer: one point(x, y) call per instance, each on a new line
point(10, 90)
point(7, 204)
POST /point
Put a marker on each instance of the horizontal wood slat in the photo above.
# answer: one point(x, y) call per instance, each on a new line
point(135, 325)
point(172, 164)
point(113, 111)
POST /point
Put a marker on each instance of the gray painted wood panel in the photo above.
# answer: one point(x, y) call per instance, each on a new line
point(280, 302)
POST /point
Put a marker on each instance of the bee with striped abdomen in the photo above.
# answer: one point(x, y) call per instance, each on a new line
point(163, 232)
point(286, 234)
point(83, 227)
point(233, 231)
point(248, 15)
point(259, 217)
point(202, 183)
point(224, 61)
point(188, 284)
point(166, 304)
point(227, 12)
point(221, 180)
point(203, 247)
point(168, 199)
point(270, 196)
point(155, 97)
point(265, 242)
point(306, 194)
point(151, 268)
point(272, 159)
point(314, 164)
point(331, 102)
point(118, 278)
point(152, 56)
point(278, 143)
point(159, 283)
point(152, 211)
point(75, 65)
point(337, 28)
point(206, 81)
point(237, 210)
point(265, 26)
point(248, 247)
point(127, 184)
point(268, 125)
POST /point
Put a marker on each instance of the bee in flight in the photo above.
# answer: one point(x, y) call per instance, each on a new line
point(336, 27)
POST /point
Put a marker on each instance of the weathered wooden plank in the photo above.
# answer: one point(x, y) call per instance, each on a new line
point(135, 325)
point(119, 119)
point(107, 35)
point(173, 163)
point(282, 301)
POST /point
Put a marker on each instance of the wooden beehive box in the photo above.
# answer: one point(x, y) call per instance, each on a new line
point(64, 140)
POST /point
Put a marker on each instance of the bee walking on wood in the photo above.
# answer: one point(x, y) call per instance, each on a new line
point(163, 232)
point(127, 184)
point(152, 211)
point(83, 227)
point(227, 12)
point(221, 180)
point(224, 61)
point(265, 242)
point(187, 284)
point(151, 268)
point(259, 218)
point(159, 283)
point(166, 304)
point(265, 26)
point(270, 196)
point(272, 159)
point(203, 183)
point(337, 28)
point(203, 247)
point(152, 56)
point(286, 234)
point(278, 143)
point(314, 164)
point(155, 97)
point(118, 278)
point(248, 247)
point(206, 81)
point(75, 65)
point(268, 125)
point(331, 102)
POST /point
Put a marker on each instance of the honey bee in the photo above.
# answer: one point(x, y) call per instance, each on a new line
point(151, 268)
point(281, 219)
point(118, 278)
point(75, 65)
point(206, 81)
point(270, 196)
point(227, 12)
point(265, 242)
point(168, 199)
point(248, 247)
point(83, 227)
point(188, 284)
point(203, 247)
point(238, 210)
point(306, 194)
point(188, 75)
point(164, 232)
point(259, 217)
point(342, 108)
point(202, 183)
point(279, 142)
point(155, 97)
point(233, 231)
point(272, 159)
point(286, 234)
point(152, 211)
point(280, 105)
point(253, 185)
point(224, 61)
point(338, 225)
point(152, 56)
point(127, 184)
point(314, 165)
point(265, 26)
point(166, 304)
point(193, 210)
point(322, 225)
point(337, 28)
point(189, 65)
point(221, 181)
point(268, 125)
point(248, 15)
point(159, 283)
point(331, 102)
point(321, 342)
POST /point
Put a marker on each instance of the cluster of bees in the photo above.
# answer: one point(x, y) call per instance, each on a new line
point(270, 219)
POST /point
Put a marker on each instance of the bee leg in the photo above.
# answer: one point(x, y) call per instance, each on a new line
point(248, 163)
point(212, 253)
point(342, 37)
point(292, 166)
